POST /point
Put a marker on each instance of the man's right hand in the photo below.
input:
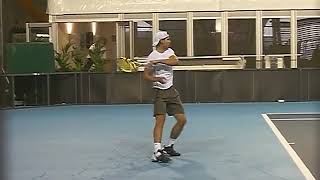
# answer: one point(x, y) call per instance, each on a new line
point(162, 80)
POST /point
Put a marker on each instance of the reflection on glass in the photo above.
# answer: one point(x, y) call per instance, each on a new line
point(178, 34)
point(242, 36)
point(94, 28)
point(69, 27)
point(142, 38)
point(276, 36)
point(207, 37)
point(127, 39)
point(39, 35)
point(83, 37)
point(308, 35)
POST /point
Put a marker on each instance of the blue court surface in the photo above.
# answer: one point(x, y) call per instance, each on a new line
point(221, 141)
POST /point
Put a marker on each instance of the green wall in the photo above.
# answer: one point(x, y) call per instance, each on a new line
point(32, 57)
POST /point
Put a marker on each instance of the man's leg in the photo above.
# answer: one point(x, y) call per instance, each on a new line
point(159, 155)
point(158, 128)
point(178, 127)
point(175, 132)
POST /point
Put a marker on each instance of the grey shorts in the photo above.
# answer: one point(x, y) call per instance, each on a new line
point(167, 101)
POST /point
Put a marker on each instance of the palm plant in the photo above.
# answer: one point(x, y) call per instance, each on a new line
point(96, 54)
point(64, 57)
point(78, 58)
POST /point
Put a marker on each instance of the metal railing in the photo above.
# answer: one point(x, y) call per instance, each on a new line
point(239, 62)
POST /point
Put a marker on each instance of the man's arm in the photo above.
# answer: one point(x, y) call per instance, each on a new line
point(148, 75)
point(171, 61)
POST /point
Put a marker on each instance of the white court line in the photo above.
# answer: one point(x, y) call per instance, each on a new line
point(296, 119)
point(302, 167)
point(308, 113)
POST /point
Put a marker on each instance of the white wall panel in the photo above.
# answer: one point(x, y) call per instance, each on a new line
point(127, 6)
point(269, 4)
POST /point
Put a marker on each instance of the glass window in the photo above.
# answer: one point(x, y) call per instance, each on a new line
point(142, 38)
point(276, 35)
point(178, 34)
point(276, 40)
point(308, 44)
point(78, 33)
point(242, 36)
point(127, 38)
point(83, 35)
point(207, 37)
point(39, 34)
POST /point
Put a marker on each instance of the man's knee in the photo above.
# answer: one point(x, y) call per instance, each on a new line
point(160, 119)
point(181, 119)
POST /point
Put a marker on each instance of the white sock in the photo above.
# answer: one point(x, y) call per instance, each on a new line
point(157, 146)
point(171, 142)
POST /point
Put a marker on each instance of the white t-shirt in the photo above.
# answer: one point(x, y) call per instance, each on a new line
point(162, 70)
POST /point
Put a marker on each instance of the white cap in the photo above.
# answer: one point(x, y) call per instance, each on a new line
point(159, 36)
